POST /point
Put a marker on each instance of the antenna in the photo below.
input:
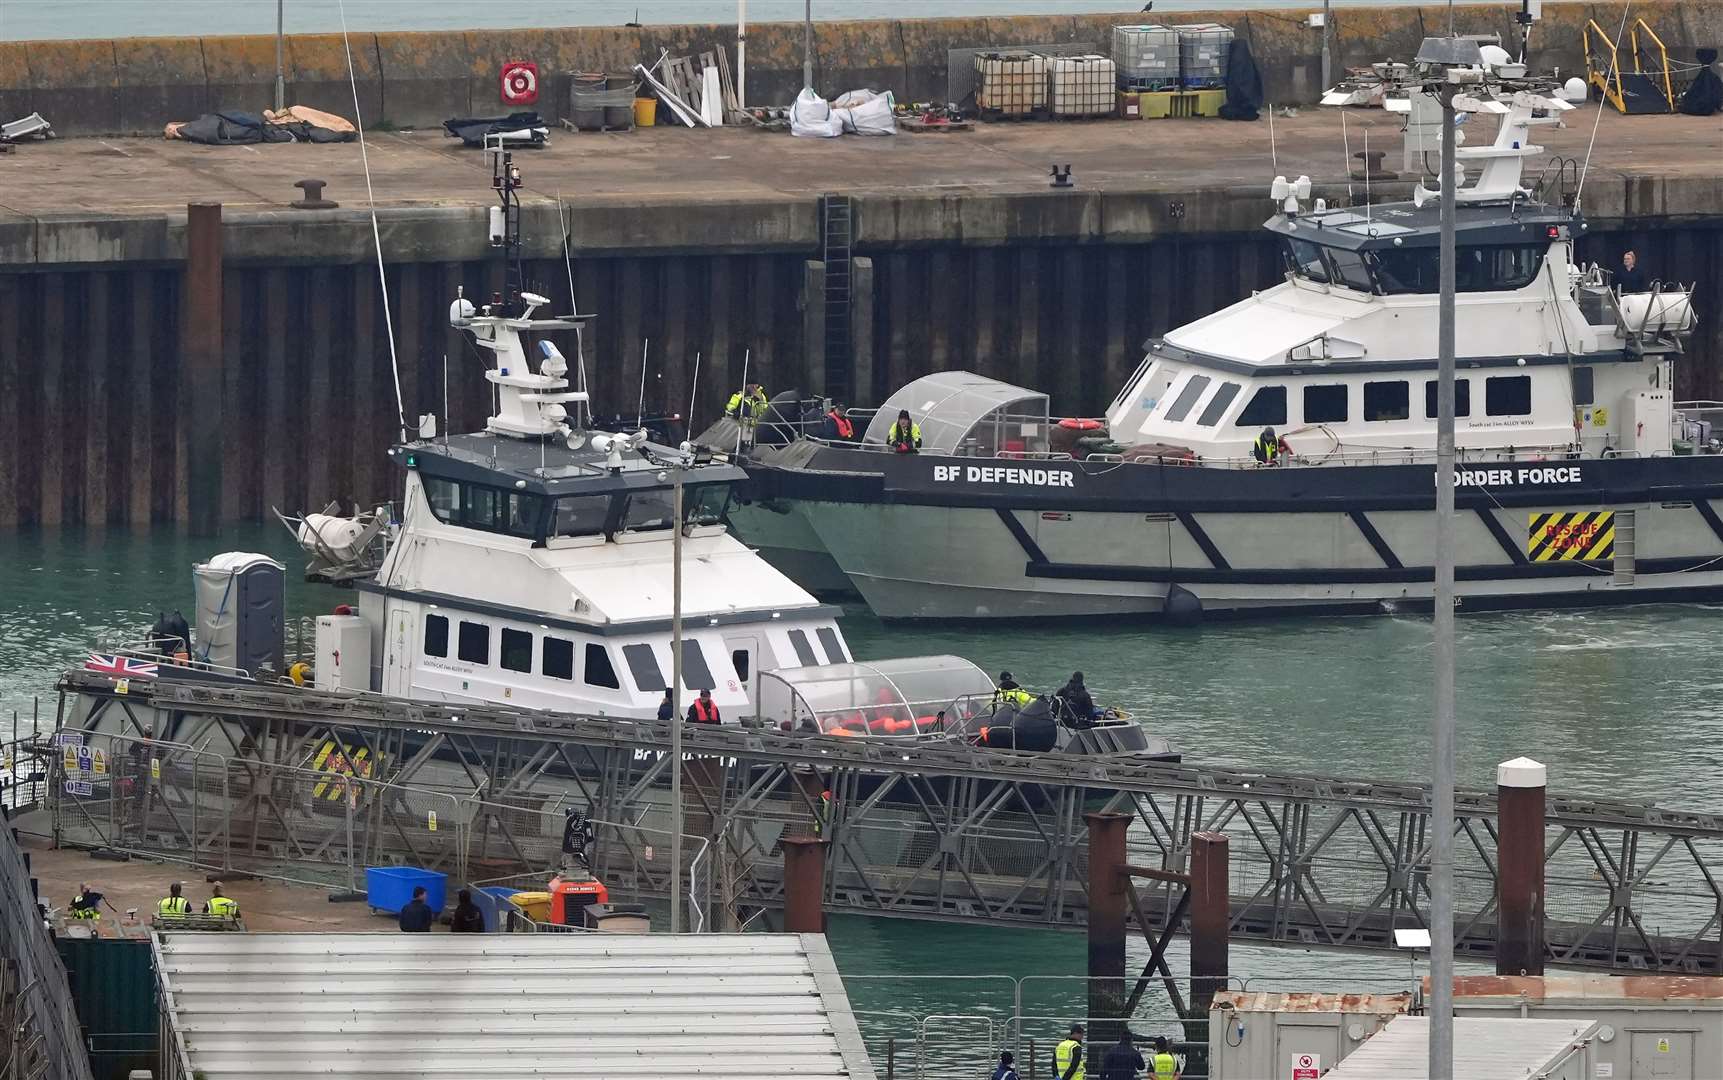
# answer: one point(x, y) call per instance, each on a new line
point(574, 307)
point(376, 233)
point(1273, 154)
point(640, 402)
point(743, 397)
point(1366, 172)
point(445, 399)
point(1346, 148)
point(693, 392)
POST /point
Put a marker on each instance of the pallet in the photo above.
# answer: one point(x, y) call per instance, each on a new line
point(1111, 114)
point(994, 116)
point(916, 125)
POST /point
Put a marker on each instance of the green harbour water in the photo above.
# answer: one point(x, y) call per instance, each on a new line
point(1621, 702)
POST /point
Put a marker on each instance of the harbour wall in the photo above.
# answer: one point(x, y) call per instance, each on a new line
point(99, 404)
point(413, 79)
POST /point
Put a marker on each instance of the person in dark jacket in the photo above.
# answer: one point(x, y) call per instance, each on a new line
point(666, 710)
point(417, 916)
point(1079, 706)
point(1630, 278)
point(467, 919)
point(1122, 1061)
point(1007, 1069)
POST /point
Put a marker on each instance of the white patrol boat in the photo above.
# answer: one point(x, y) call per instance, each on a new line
point(1581, 481)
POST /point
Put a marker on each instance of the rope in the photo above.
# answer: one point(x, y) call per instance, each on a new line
point(1586, 169)
point(376, 233)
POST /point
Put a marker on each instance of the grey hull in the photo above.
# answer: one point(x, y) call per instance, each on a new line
point(919, 561)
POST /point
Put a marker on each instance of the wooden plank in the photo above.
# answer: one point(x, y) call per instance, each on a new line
point(731, 104)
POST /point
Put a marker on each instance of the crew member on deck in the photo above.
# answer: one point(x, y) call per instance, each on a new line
point(1079, 704)
point(1269, 448)
point(704, 710)
point(748, 405)
point(666, 708)
point(905, 434)
point(1630, 278)
point(1008, 692)
point(837, 426)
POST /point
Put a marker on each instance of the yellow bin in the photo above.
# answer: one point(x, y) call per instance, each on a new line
point(645, 111)
point(536, 905)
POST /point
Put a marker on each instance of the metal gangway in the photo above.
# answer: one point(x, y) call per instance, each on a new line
point(921, 830)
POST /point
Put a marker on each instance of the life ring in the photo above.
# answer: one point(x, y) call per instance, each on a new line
point(1078, 423)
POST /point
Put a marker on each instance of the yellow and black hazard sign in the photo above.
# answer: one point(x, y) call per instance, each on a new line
point(339, 763)
point(1572, 534)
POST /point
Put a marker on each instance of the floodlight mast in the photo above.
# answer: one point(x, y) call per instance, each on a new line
point(1444, 65)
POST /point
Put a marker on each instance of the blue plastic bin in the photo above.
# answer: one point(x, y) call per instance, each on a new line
point(389, 888)
point(493, 901)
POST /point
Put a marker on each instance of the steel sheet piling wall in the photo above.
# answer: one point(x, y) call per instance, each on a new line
point(203, 378)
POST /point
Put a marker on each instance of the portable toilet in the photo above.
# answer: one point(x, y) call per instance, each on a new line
point(241, 617)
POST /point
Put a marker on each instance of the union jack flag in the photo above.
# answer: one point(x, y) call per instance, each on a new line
point(120, 667)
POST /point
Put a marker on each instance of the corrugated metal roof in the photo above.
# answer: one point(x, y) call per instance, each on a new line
point(459, 1006)
point(1507, 1049)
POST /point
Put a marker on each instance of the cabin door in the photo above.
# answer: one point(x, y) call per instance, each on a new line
point(398, 651)
point(745, 658)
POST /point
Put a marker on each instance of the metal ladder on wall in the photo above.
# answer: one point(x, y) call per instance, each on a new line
point(837, 234)
point(1625, 563)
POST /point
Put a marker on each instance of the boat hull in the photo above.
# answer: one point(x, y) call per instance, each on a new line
point(928, 537)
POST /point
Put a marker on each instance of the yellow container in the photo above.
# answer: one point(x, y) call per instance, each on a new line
point(536, 905)
point(645, 111)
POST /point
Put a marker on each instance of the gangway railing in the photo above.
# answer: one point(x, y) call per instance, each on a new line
point(1657, 52)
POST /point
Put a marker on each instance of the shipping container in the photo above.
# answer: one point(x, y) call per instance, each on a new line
point(113, 985)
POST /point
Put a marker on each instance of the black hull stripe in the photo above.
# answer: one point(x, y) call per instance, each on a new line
point(1383, 551)
point(1509, 546)
point(1710, 516)
point(1037, 557)
point(1195, 575)
point(1212, 553)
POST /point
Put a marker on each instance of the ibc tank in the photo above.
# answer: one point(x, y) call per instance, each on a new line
point(241, 597)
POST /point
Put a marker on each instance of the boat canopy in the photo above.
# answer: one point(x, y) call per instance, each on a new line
point(903, 696)
point(961, 412)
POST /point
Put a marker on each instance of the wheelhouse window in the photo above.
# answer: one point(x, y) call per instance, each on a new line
point(436, 635)
point(443, 495)
point(648, 511)
point(556, 658)
point(474, 643)
point(480, 506)
point(1305, 259)
point(1325, 404)
point(1266, 407)
point(517, 650)
point(1508, 395)
point(696, 675)
point(1497, 269)
point(1218, 404)
point(599, 671)
point(739, 660)
point(1406, 270)
point(1387, 401)
point(1350, 270)
point(643, 665)
point(521, 514)
point(706, 504)
point(833, 645)
point(1462, 398)
point(581, 515)
point(1193, 389)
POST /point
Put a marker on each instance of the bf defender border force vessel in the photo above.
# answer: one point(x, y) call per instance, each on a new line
point(1580, 480)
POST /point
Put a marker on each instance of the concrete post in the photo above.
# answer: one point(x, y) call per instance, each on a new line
point(861, 331)
point(201, 370)
point(1108, 904)
point(813, 372)
point(1520, 790)
point(1210, 914)
point(804, 885)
